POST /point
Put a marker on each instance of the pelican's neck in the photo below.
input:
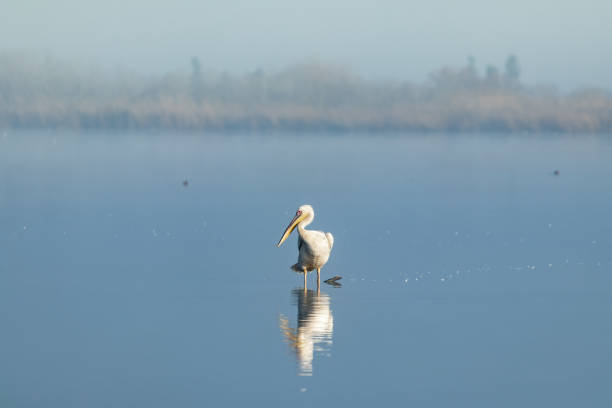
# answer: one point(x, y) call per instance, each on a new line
point(305, 222)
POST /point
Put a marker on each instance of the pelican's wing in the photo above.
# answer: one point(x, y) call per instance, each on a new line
point(321, 239)
point(330, 239)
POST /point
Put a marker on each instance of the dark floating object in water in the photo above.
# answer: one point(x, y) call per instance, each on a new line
point(185, 183)
point(334, 279)
point(556, 172)
point(334, 284)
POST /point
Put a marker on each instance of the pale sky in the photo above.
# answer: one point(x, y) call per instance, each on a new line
point(568, 43)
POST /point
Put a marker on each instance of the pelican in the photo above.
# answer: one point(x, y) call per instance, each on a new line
point(314, 246)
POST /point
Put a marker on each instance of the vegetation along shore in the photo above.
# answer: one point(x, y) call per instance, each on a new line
point(41, 92)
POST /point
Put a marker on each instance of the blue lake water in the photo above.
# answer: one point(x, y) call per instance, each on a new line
point(472, 274)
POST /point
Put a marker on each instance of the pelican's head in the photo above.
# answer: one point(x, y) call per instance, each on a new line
point(304, 212)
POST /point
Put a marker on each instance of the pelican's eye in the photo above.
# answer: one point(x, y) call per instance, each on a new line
point(298, 212)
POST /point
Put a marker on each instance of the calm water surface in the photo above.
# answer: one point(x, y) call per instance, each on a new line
point(472, 275)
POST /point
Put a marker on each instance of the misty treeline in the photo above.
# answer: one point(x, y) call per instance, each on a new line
point(42, 92)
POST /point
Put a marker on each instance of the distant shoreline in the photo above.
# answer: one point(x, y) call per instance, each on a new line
point(417, 118)
point(307, 97)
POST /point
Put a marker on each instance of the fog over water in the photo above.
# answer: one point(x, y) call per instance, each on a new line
point(562, 42)
point(152, 152)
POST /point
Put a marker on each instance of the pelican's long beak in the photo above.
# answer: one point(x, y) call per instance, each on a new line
point(294, 222)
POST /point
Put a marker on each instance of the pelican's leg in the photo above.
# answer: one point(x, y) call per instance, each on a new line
point(318, 277)
point(305, 273)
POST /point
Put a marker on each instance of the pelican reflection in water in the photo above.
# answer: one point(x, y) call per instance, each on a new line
point(314, 247)
point(315, 326)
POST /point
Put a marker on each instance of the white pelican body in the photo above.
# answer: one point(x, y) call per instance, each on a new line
point(314, 246)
